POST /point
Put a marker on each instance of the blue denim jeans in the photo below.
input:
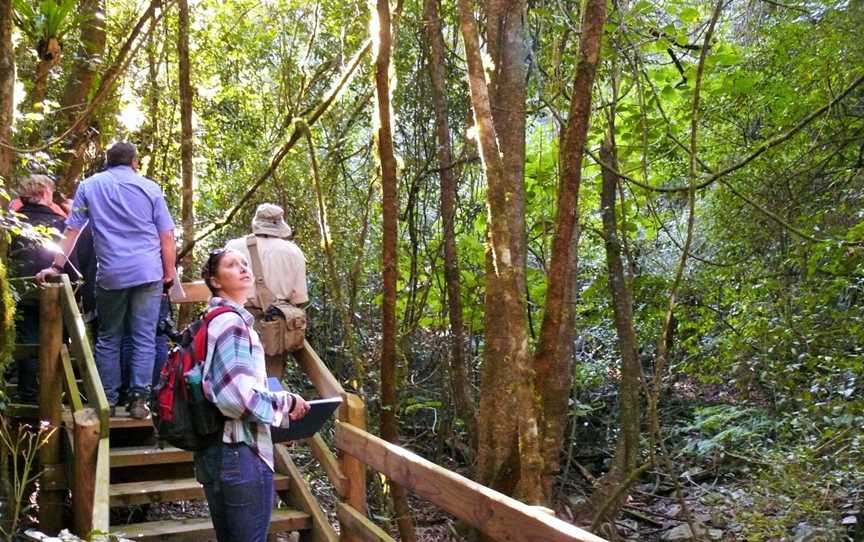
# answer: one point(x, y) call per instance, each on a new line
point(134, 310)
point(239, 489)
point(161, 349)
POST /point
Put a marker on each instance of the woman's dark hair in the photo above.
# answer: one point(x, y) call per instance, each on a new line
point(211, 266)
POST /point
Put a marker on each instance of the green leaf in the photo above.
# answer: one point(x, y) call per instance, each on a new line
point(668, 92)
point(727, 58)
point(689, 15)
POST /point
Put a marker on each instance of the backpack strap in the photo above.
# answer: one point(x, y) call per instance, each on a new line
point(200, 339)
point(264, 297)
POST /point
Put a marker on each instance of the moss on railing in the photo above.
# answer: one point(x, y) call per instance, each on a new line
point(7, 318)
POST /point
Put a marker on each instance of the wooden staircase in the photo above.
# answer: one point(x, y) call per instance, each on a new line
point(144, 474)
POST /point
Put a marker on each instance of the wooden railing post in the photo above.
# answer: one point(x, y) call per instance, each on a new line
point(353, 412)
point(87, 435)
point(52, 483)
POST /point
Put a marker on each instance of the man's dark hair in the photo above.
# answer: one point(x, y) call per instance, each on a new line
point(121, 154)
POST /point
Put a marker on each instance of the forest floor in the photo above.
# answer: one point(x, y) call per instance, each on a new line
point(729, 494)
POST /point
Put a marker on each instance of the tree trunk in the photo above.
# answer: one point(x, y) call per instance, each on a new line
point(49, 56)
point(79, 128)
point(507, 48)
point(48, 52)
point(459, 379)
point(79, 84)
point(552, 359)
point(187, 208)
point(7, 91)
point(390, 239)
point(627, 449)
point(150, 137)
point(508, 455)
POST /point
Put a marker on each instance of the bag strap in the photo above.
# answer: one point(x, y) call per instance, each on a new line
point(201, 349)
point(200, 340)
point(263, 295)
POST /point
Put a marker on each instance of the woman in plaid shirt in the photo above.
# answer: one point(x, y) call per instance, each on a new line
point(237, 473)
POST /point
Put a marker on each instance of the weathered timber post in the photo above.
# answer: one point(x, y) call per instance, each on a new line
point(52, 482)
point(353, 412)
point(87, 436)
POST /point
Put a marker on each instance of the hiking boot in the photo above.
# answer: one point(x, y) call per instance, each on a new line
point(138, 408)
point(113, 411)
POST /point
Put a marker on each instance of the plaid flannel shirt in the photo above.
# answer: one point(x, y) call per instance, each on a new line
point(235, 379)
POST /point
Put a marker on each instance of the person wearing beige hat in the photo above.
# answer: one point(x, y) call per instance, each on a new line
point(282, 263)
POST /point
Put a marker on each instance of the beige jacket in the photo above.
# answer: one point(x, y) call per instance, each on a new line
point(283, 264)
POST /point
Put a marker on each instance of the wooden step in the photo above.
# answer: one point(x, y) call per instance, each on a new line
point(199, 529)
point(136, 456)
point(120, 420)
point(183, 489)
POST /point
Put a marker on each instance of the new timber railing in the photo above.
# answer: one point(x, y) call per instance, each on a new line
point(493, 513)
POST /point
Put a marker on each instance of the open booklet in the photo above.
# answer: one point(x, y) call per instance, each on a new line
point(320, 411)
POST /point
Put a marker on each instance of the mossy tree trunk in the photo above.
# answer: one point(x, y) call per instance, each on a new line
point(187, 150)
point(7, 94)
point(390, 261)
point(459, 378)
point(508, 454)
point(627, 448)
point(79, 85)
point(552, 358)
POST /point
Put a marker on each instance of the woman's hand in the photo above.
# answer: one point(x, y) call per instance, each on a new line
point(301, 408)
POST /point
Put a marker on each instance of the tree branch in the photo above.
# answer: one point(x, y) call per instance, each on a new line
point(124, 57)
point(761, 149)
point(296, 135)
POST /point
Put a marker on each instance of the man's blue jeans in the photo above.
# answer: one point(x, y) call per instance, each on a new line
point(135, 310)
point(239, 489)
point(161, 348)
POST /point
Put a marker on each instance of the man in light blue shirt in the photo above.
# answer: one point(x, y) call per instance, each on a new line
point(135, 253)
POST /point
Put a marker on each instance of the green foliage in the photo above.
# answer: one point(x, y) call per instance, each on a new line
point(7, 321)
point(765, 320)
point(721, 427)
point(21, 444)
point(803, 486)
point(45, 20)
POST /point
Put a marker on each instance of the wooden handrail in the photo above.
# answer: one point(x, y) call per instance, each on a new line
point(52, 483)
point(355, 522)
point(71, 385)
point(196, 292)
point(318, 373)
point(74, 323)
point(497, 515)
point(90, 422)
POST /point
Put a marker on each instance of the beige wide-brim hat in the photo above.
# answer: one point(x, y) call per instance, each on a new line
point(269, 220)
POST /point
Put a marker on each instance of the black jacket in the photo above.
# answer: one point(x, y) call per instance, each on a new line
point(27, 256)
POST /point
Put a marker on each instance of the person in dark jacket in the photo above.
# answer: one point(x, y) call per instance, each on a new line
point(28, 255)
